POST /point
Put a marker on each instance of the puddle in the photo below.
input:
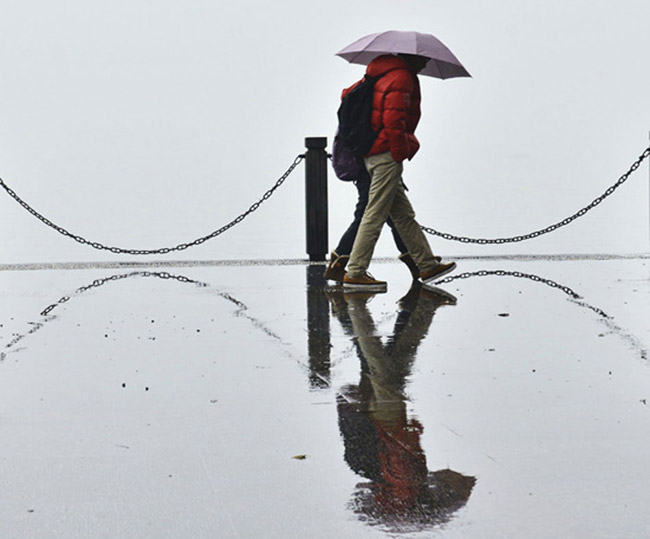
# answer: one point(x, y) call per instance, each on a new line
point(203, 400)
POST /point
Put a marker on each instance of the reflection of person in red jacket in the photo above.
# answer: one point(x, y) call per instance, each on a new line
point(381, 438)
point(395, 115)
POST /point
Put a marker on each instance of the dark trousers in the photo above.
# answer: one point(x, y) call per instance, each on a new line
point(347, 240)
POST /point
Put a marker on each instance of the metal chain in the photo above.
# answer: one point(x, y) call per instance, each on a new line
point(117, 277)
point(280, 181)
point(518, 274)
point(162, 250)
point(575, 298)
point(98, 282)
point(564, 222)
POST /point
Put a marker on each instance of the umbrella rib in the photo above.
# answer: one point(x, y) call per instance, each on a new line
point(437, 64)
point(375, 37)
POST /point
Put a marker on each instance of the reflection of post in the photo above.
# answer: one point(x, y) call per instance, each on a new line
point(318, 327)
point(316, 197)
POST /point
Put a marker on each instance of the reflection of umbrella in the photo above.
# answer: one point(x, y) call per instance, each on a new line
point(442, 65)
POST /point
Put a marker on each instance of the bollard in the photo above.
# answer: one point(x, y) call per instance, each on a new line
point(316, 197)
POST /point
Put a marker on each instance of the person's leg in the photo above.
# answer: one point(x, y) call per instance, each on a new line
point(339, 257)
point(403, 216)
point(404, 256)
point(385, 176)
point(347, 239)
point(399, 242)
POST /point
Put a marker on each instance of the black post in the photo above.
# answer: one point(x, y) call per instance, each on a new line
point(318, 328)
point(316, 197)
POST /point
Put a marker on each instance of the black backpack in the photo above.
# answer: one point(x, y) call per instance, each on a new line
point(355, 135)
point(355, 130)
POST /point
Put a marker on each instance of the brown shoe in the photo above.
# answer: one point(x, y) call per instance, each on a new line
point(363, 282)
point(336, 269)
point(411, 265)
point(437, 272)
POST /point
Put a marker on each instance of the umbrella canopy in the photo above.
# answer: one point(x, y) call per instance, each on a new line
point(442, 63)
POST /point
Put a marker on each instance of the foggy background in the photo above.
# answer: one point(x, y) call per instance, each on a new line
point(146, 124)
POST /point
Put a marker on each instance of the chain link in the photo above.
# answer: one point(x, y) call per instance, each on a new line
point(517, 274)
point(96, 283)
point(537, 233)
point(162, 250)
point(118, 277)
point(575, 298)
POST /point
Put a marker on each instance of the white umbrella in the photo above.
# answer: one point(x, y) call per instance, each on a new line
point(442, 63)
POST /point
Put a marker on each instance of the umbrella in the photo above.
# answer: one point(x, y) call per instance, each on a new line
point(442, 63)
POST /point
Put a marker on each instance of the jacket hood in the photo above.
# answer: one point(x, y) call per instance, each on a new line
point(384, 64)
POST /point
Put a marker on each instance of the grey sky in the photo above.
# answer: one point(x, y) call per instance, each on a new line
point(146, 124)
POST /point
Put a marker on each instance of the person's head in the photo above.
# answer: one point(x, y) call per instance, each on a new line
point(415, 62)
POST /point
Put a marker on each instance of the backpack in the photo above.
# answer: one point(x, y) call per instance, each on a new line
point(355, 135)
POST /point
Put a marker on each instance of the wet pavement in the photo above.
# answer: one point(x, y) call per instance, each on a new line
point(227, 400)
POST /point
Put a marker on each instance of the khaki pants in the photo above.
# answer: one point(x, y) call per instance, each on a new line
point(388, 198)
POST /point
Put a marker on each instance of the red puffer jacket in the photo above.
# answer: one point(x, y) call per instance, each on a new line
point(396, 107)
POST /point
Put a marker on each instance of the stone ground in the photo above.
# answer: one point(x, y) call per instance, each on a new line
point(250, 401)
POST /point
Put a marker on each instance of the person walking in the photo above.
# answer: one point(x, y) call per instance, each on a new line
point(340, 256)
point(395, 116)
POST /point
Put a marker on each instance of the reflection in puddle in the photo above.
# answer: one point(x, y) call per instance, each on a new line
point(381, 436)
point(48, 317)
point(606, 319)
point(381, 439)
point(318, 326)
point(382, 443)
point(118, 277)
